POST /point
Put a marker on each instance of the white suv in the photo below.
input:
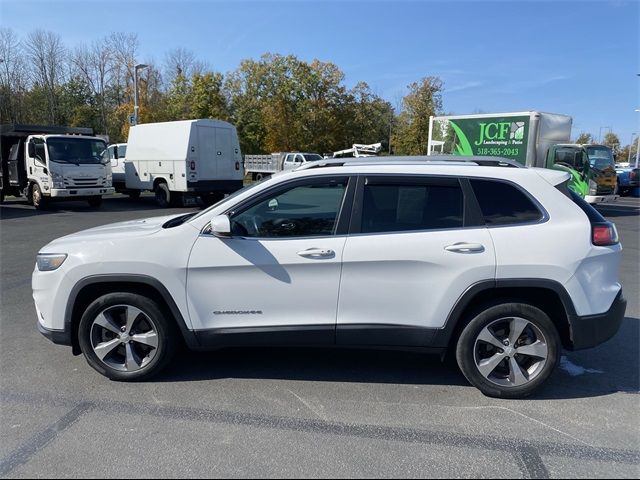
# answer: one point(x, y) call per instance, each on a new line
point(503, 266)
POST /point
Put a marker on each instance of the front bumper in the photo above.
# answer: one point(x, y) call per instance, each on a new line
point(59, 337)
point(601, 198)
point(591, 330)
point(80, 192)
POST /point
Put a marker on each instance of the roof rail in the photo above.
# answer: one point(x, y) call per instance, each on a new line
point(415, 160)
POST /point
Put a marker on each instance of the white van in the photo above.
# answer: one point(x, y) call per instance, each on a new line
point(184, 158)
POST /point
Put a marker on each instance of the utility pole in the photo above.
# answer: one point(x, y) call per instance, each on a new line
point(136, 108)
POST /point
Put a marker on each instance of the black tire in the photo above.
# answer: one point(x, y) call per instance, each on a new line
point(167, 335)
point(163, 196)
point(211, 198)
point(133, 194)
point(1, 195)
point(466, 353)
point(39, 201)
point(259, 176)
point(95, 202)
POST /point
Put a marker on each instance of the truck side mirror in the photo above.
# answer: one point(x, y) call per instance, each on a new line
point(31, 149)
point(579, 161)
point(115, 153)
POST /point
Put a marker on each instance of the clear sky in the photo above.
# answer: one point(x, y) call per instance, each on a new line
point(573, 57)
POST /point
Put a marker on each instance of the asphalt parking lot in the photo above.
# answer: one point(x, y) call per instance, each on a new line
point(299, 413)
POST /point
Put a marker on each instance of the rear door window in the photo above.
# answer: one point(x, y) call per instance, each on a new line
point(402, 207)
point(504, 204)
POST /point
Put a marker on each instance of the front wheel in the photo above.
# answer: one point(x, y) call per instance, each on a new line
point(509, 350)
point(37, 199)
point(125, 336)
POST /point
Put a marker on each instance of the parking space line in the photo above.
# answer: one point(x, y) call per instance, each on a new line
point(528, 450)
point(23, 454)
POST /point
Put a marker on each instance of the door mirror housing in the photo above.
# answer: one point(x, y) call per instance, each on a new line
point(31, 150)
point(221, 226)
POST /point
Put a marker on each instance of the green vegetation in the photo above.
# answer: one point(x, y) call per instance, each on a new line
point(278, 103)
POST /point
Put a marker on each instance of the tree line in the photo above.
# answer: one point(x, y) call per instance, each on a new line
point(623, 153)
point(277, 102)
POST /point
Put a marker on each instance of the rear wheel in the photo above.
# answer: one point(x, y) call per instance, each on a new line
point(37, 199)
point(163, 196)
point(509, 350)
point(126, 336)
point(95, 202)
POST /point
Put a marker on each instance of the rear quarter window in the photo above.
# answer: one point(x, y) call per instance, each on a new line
point(504, 204)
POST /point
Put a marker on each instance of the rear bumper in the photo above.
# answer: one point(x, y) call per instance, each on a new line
point(601, 198)
point(591, 330)
point(211, 186)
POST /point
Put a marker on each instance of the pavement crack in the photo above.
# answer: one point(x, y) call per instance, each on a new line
point(530, 462)
point(24, 453)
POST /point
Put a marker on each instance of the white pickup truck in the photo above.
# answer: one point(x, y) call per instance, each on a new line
point(261, 166)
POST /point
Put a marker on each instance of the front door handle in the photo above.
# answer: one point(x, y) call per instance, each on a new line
point(463, 247)
point(317, 253)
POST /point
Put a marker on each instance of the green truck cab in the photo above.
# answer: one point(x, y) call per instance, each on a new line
point(592, 169)
point(534, 139)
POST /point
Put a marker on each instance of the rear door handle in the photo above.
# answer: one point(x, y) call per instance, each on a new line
point(317, 253)
point(463, 247)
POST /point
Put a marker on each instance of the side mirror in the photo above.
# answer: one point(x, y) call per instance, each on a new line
point(115, 153)
point(221, 226)
point(31, 150)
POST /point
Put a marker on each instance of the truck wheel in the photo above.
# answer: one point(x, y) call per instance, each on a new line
point(133, 194)
point(508, 350)
point(163, 196)
point(211, 198)
point(1, 195)
point(95, 202)
point(259, 176)
point(37, 199)
point(126, 336)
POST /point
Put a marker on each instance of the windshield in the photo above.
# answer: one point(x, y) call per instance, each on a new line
point(77, 150)
point(600, 157)
point(312, 157)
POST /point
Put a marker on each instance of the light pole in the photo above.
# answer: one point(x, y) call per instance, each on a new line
point(600, 134)
point(631, 143)
point(136, 108)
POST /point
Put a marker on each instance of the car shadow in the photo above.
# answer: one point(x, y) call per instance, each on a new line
point(313, 364)
point(590, 373)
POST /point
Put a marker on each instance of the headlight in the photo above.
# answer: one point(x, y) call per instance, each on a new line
point(58, 180)
point(50, 261)
point(593, 187)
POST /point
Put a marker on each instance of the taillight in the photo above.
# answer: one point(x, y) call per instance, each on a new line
point(604, 234)
point(193, 165)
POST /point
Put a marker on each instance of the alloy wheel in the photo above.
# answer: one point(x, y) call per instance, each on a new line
point(124, 338)
point(510, 352)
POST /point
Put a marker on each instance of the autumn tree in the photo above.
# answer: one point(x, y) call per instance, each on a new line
point(423, 100)
point(584, 138)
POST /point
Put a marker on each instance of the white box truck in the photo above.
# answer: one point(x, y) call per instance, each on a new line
point(49, 163)
point(184, 159)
